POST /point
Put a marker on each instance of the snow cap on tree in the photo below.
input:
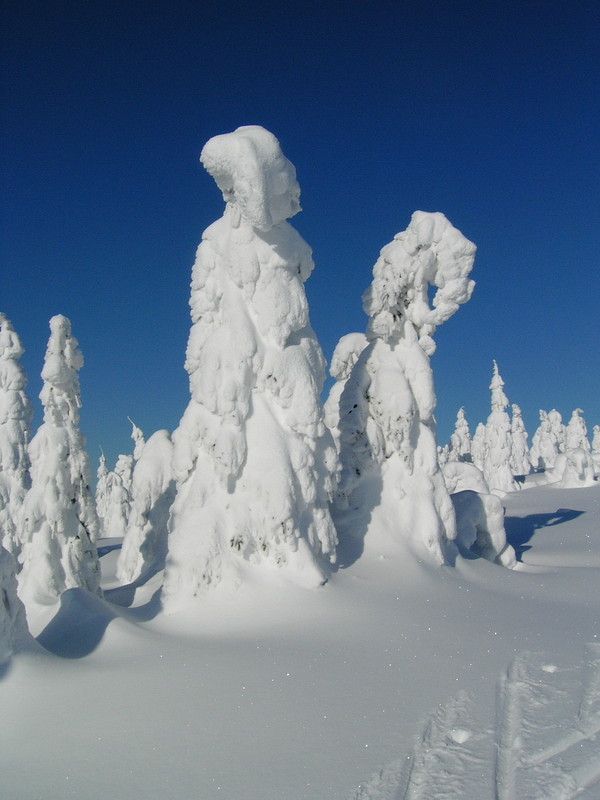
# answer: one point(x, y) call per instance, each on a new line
point(429, 253)
point(59, 516)
point(253, 459)
point(15, 420)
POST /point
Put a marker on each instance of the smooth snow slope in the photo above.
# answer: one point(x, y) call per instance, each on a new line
point(395, 681)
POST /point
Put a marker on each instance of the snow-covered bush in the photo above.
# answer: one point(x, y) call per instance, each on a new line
point(519, 450)
point(15, 420)
point(480, 527)
point(252, 455)
point(13, 623)
point(496, 463)
point(572, 470)
point(153, 490)
point(576, 433)
point(461, 476)
point(460, 440)
point(59, 519)
point(387, 427)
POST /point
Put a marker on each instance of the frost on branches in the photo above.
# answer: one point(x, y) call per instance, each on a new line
point(496, 463)
point(252, 455)
point(59, 516)
point(15, 420)
point(387, 428)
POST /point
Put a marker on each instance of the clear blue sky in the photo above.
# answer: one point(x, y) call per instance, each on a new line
point(486, 111)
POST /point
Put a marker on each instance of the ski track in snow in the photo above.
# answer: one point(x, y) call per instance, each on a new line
point(545, 744)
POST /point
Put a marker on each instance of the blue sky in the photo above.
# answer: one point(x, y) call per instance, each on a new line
point(486, 111)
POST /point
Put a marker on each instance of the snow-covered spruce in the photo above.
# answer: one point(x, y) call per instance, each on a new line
point(496, 464)
point(153, 489)
point(344, 357)
point(558, 430)
point(544, 445)
point(576, 432)
point(59, 520)
point(460, 440)
point(596, 448)
point(478, 446)
point(15, 420)
point(572, 469)
point(519, 450)
point(13, 623)
point(253, 458)
point(113, 498)
point(387, 428)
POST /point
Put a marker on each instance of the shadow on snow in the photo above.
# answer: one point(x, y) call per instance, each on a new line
point(520, 530)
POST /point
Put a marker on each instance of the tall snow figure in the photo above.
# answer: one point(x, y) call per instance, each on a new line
point(59, 516)
point(252, 455)
point(387, 428)
point(15, 420)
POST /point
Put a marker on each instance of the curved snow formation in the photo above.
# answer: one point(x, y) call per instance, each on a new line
point(253, 458)
point(387, 427)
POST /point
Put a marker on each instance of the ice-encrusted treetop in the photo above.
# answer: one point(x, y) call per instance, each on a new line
point(430, 252)
point(256, 179)
point(61, 392)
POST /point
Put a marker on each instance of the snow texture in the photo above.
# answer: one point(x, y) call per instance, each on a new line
point(253, 458)
point(59, 518)
point(387, 427)
point(496, 463)
point(153, 489)
point(15, 421)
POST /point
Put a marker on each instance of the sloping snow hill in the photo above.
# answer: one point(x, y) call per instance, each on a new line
point(395, 681)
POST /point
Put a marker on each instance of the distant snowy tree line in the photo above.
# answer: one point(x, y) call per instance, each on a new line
point(260, 477)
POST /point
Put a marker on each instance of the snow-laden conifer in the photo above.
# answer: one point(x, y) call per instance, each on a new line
point(387, 427)
point(558, 430)
point(13, 623)
point(478, 446)
point(253, 457)
point(576, 433)
point(113, 498)
point(596, 448)
point(59, 518)
point(153, 488)
point(345, 356)
point(519, 453)
point(544, 447)
point(496, 464)
point(460, 440)
point(15, 420)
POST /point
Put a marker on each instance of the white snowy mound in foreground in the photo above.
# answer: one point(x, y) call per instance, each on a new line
point(253, 458)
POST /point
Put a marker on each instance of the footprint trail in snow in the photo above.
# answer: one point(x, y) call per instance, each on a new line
point(545, 744)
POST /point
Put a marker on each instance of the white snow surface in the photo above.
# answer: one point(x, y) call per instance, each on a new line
point(397, 680)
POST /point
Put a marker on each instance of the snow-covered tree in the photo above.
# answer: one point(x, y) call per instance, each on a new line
point(153, 490)
point(137, 435)
point(544, 448)
point(519, 454)
point(253, 457)
point(15, 420)
point(460, 440)
point(596, 448)
point(576, 433)
point(13, 623)
point(113, 498)
point(124, 469)
point(345, 356)
point(558, 430)
point(387, 427)
point(496, 464)
point(478, 446)
point(59, 518)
